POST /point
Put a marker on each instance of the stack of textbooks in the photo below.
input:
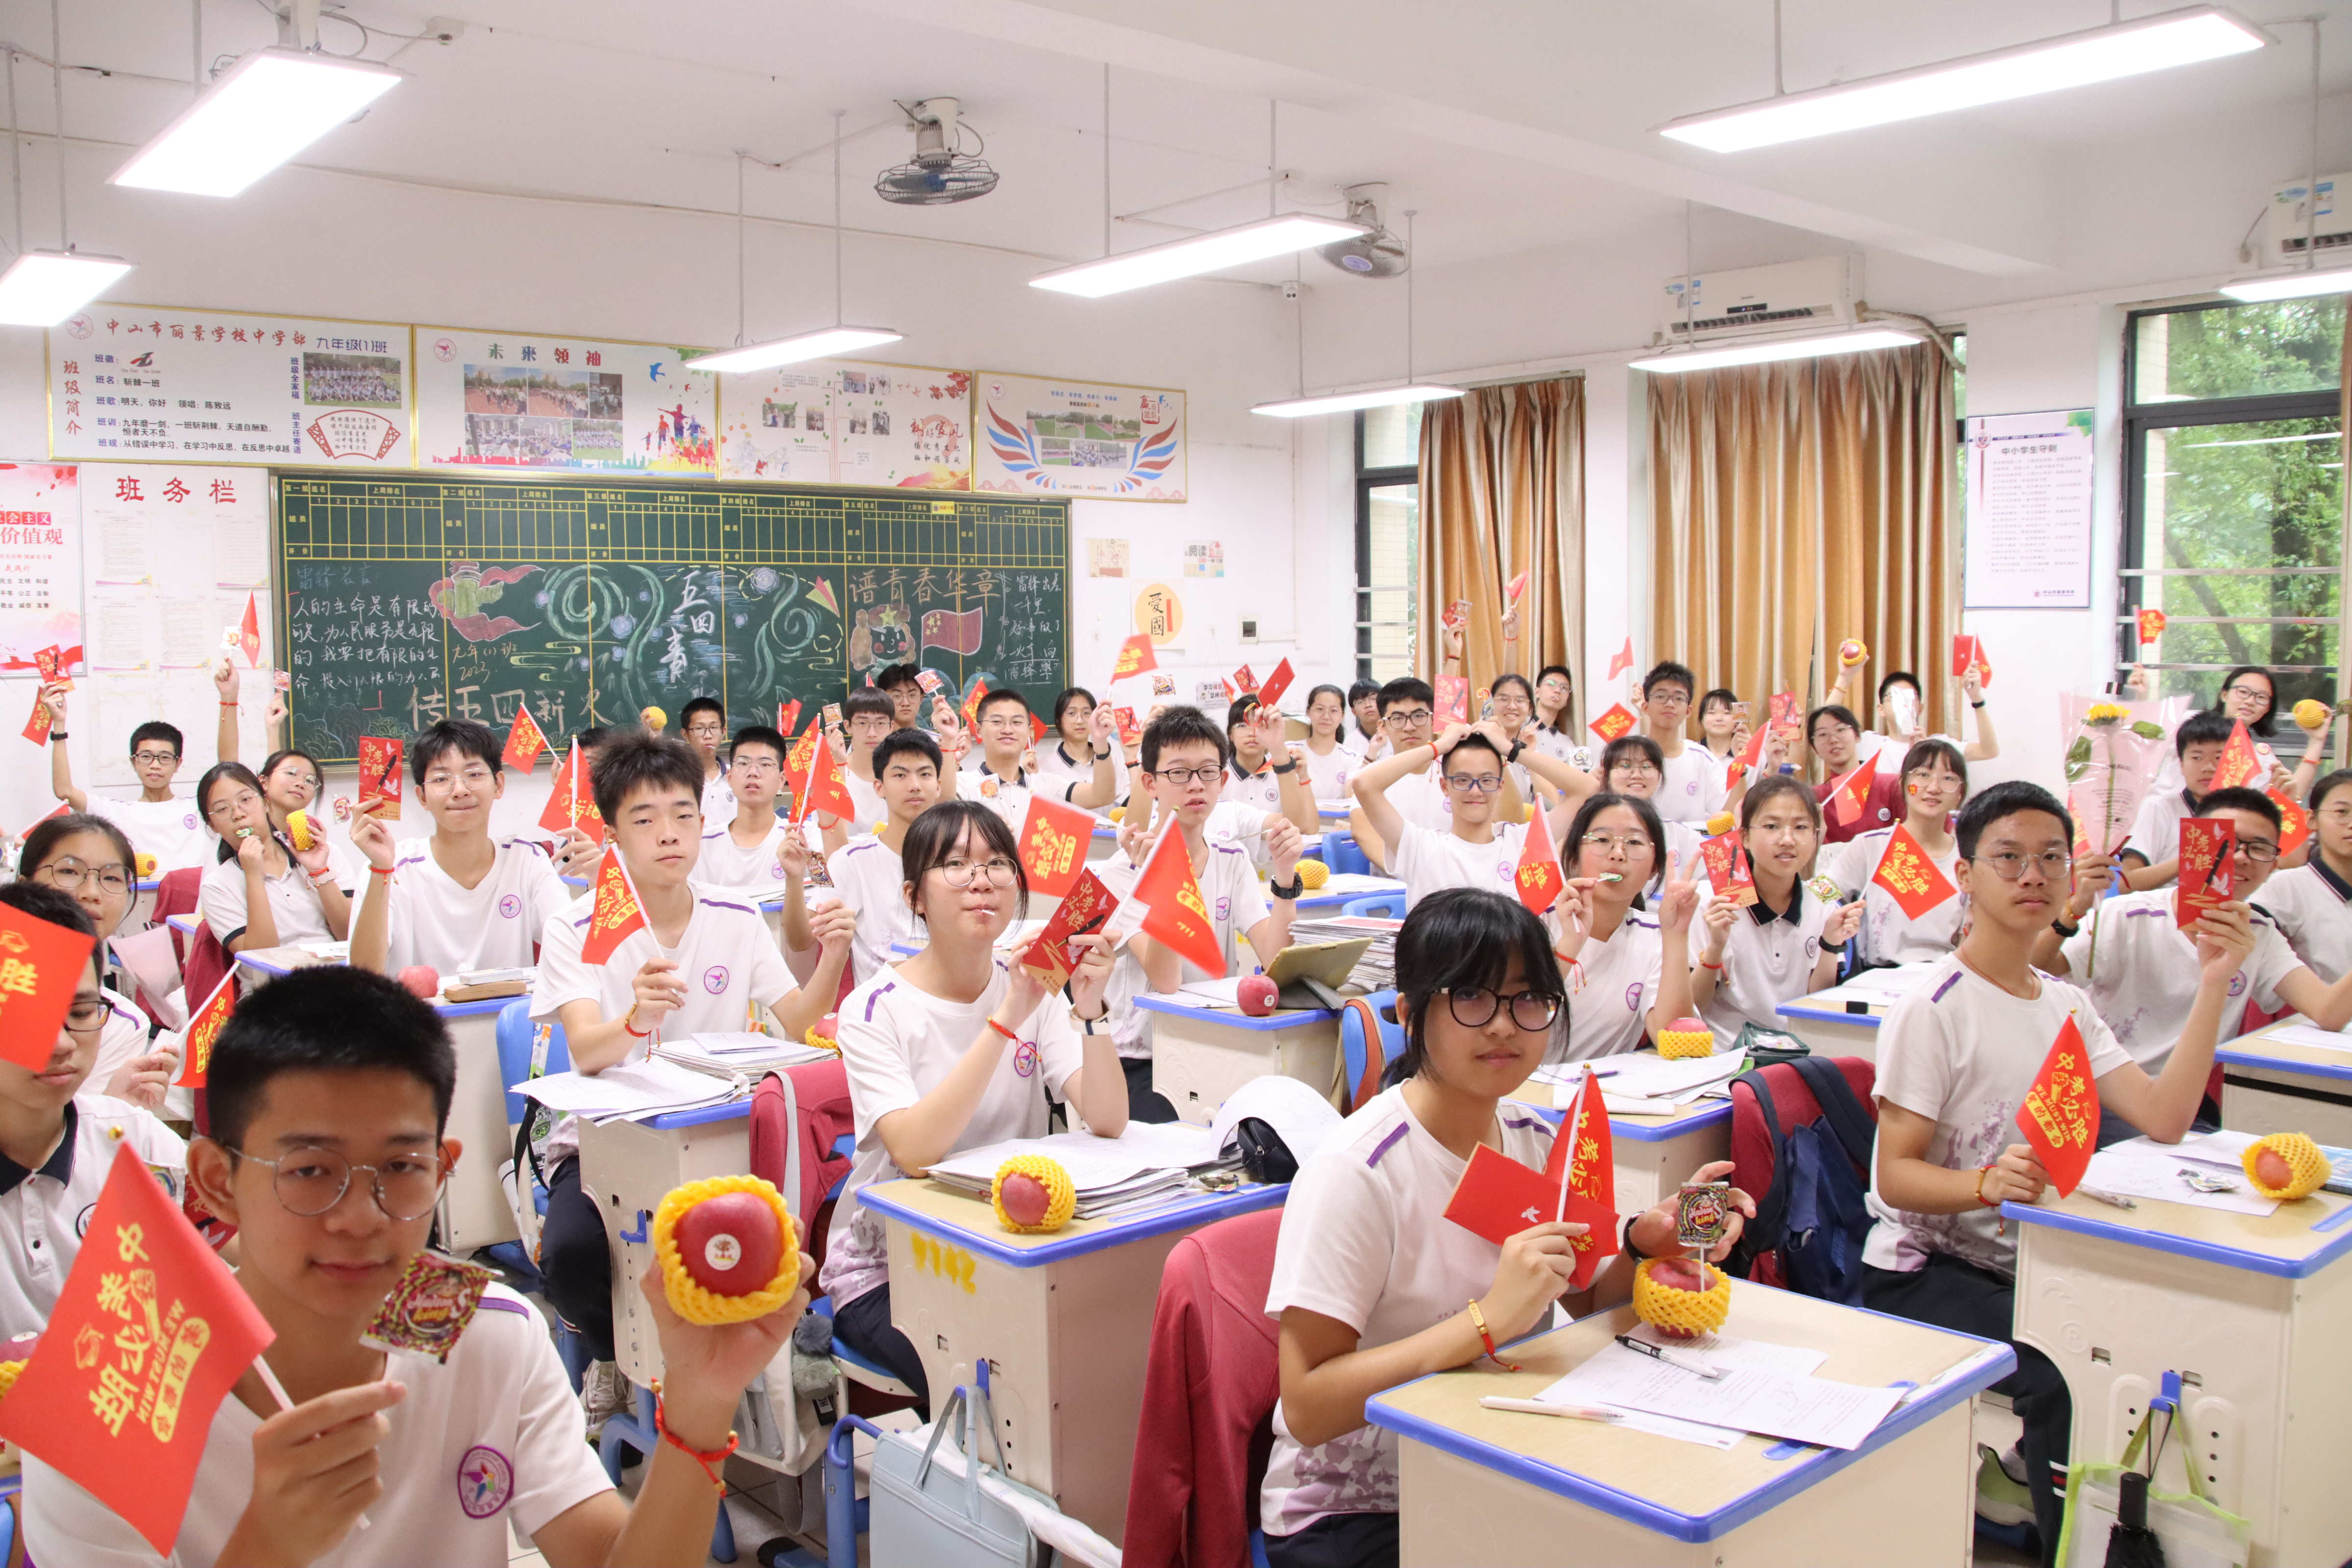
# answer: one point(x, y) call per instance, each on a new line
point(1376, 970)
point(1146, 1166)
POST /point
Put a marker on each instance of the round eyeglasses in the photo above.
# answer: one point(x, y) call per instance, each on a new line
point(1475, 1007)
point(309, 1182)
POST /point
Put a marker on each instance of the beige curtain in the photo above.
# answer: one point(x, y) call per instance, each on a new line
point(1502, 491)
point(1796, 505)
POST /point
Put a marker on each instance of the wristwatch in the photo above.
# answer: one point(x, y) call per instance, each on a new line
point(1291, 891)
point(1289, 767)
point(1513, 754)
point(2066, 932)
point(1102, 756)
point(1976, 702)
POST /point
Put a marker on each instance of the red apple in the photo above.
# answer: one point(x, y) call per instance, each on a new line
point(1258, 995)
point(1677, 1274)
point(2273, 1169)
point(730, 1244)
point(1024, 1198)
point(829, 1026)
point(422, 981)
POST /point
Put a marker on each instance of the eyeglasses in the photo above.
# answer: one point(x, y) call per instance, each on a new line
point(755, 766)
point(1179, 777)
point(1481, 783)
point(69, 874)
point(307, 781)
point(2243, 689)
point(2009, 865)
point(705, 732)
point(309, 1182)
point(2261, 851)
point(220, 810)
point(961, 873)
point(2336, 814)
point(1474, 1008)
point(473, 778)
point(157, 759)
point(1645, 767)
point(87, 1017)
point(1832, 733)
point(1631, 843)
point(1408, 721)
point(1007, 723)
point(1668, 697)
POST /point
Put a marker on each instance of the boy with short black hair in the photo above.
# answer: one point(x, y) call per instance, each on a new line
point(868, 878)
point(1002, 781)
point(2152, 856)
point(329, 1095)
point(456, 900)
point(1693, 786)
point(745, 848)
point(1408, 708)
point(58, 1139)
point(904, 688)
point(157, 822)
point(866, 717)
point(703, 721)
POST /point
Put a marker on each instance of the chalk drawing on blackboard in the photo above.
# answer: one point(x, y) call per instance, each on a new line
point(463, 594)
point(882, 633)
point(959, 632)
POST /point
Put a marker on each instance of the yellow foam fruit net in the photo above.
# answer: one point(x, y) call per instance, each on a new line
point(2302, 1157)
point(9, 1372)
point(1690, 1311)
point(1719, 824)
point(1116, 814)
point(1061, 1196)
point(1314, 873)
point(300, 829)
point(2311, 714)
point(822, 1042)
point(687, 1297)
point(1676, 1042)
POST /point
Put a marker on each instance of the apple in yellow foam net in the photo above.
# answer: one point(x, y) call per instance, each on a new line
point(1032, 1194)
point(728, 1249)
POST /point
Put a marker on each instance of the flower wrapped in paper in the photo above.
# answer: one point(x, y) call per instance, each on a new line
point(2110, 766)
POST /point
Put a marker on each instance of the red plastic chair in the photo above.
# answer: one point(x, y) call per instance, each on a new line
point(1754, 1158)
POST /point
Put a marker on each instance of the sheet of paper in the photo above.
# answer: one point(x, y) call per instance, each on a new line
point(1639, 1074)
point(240, 551)
point(191, 631)
point(122, 633)
point(2311, 1034)
point(1777, 1405)
point(629, 1089)
point(1095, 1163)
point(2139, 1169)
point(1224, 992)
point(121, 545)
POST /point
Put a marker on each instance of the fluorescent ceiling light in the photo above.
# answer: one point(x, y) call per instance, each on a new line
point(2290, 284)
point(1340, 402)
point(1765, 351)
point(272, 104)
point(2072, 60)
point(1200, 253)
point(822, 343)
point(42, 287)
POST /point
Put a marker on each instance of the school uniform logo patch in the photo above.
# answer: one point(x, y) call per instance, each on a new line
point(1024, 1059)
point(1884, 814)
point(1633, 997)
point(485, 1482)
point(1224, 908)
point(509, 906)
point(2237, 984)
point(714, 979)
point(1812, 949)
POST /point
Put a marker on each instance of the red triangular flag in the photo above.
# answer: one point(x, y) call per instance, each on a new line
point(826, 790)
point(248, 631)
point(971, 704)
point(1175, 914)
point(525, 741)
point(196, 1047)
point(40, 969)
point(787, 715)
point(2241, 764)
point(1276, 684)
point(1054, 839)
point(2060, 1117)
point(1850, 794)
point(1038, 729)
point(1908, 873)
point(615, 915)
point(1538, 880)
point(1620, 661)
point(1135, 657)
point(1617, 721)
point(147, 1338)
point(37, 726)
point(572, 800)
point(2295, 831)
point(1516, 589)
point(1584, 1162)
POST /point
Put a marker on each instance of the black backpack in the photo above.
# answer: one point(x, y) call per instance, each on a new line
point(1811, 1221)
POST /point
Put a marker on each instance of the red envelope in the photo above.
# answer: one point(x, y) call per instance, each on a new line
point(1085, 907)
point(379, 764)
point(1964, 653)
point(1728, 870)
point(51, 662)
point(2208, 847)
point(1457, 615)
point(1245, 681)
point(1453, 699)
point(1129, 732)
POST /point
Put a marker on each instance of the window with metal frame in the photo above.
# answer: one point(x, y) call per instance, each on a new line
point(2233, 495)
point(1388, 538)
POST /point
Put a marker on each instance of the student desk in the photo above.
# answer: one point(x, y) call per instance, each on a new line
point(474, 1213)
point(2255, 1315)
point(187, 926)
point(143, 904)
point(1654, 1154)
point(1325, 905)
point(1201, 1055)
point(626, 1168)
point(1064, 1321)
point(1104, 842)
point(1831, 1029)
point(1478, 1486)
point(2270, 1085)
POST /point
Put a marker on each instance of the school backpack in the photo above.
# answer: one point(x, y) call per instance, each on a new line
point(1810, 1179)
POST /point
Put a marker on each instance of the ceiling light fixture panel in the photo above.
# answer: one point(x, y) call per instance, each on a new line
point(268, 107)
point(823, 343)
point(1197, 254)
point(1769, 351)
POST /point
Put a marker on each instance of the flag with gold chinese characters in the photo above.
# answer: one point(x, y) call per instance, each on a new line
point(615, 915)
point(1054, 839)
point(2294, 822)
point(203, 1029)
point(1617, 721)
point(525, 741)
point(2060, 1117)
point(147, 1338)
point(41, 966)
point(1910, 875)
point(41, 722)
point(2241, 764)
point(570, 802)
point(826, 791)
point(971, 704)
point(1174, 912)
point(1086, 907)
point(1584, 1163)
point(2151, 626)
point(1538, 879)
point(1135, 657)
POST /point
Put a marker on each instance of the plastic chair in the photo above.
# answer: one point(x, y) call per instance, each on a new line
point(855, 1367)
point(7, 1527)
point(637, 1431)
point(1379, 906)
point(1352, 1042)
point(1342, 853)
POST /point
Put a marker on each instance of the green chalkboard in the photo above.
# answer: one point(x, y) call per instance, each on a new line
point(402, 601)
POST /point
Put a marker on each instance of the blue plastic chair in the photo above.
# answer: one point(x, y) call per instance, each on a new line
point(515, 1035)
point(1352, 1035)
point(1342, 853)
point(1380, 906)
point(7, 1527)
point(637, 1431)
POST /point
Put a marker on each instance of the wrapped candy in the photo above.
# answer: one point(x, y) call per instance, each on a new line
point(1681, 1296)
point(2285, 1165)
point(727, 1247)
point(436, 1297)
point(1032, 1194)
point(1685, 1038)
point(2109, 768)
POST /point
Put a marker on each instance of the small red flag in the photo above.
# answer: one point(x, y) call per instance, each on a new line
point(1620, 661)
point(525, 741)
point(1847, 797)
point(37, 727)
point(1617, 721)
point(1038, 729)
point(2209, 849)
point(2241, 764)
point(1538, 880)
point(2151, 626)
point(40, 969)
point(570, 800)
point(248, 631)
point(2060, 1117)
point(615, 915)
point(148, 1336)
point(1086, 907)
point(826, 790)
point(1908, 873)
point(1453, 699)
point(1054, 839)
point(379, 759)
point(2294, 830)
point(787, 715)
point(1175, 914)
point(1135, 657)
point(1276, 684)
point(1516, 589)
point(971, 704)
point(1584, 1162)
point(203, 1029)
point(1497, 1198)
point(1245, 681)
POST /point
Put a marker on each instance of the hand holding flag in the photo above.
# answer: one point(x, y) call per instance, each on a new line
point(1174, 912)
point(617, 915)
point(2060, 1117)
point(204, 1029)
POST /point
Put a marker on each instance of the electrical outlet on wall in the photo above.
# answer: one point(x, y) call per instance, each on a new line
point(1249, 629)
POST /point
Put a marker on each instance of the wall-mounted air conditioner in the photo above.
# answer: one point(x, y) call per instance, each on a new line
point(1746, 302)
point(2287, 223)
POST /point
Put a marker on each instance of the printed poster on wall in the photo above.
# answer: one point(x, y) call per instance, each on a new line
point(1079, 438)
point(152, 383)
point(2029, 487)
point(845, 422)
point(524, 400)
point(40, 564)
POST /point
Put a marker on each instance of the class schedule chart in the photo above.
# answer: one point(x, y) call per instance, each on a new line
point(407, 601)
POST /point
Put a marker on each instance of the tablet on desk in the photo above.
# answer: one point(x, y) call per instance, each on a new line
point(1312, 975)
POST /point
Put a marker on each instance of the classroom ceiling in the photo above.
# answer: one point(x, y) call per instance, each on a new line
point(1512, 125)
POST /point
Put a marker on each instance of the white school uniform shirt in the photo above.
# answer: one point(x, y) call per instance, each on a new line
point(1561, 746)
point(870, 878)
point(170, 830)
point(1888, 935)
point(1053, 762)
point(43, 1213)
point(2142, 974)
point(867, 798)
point(1010, 797)
point(1326, 777)
point(1236, 901)
point(1363, 1242)
point(718, 799)
point(1767, 958)
point(1429, 861)
point(727, 958)
point(1421, 799)
point(495, 924)
point(2313, 909)
point(293, 901)
point(128, 1034)
point(1611, 987)
point(724, 863)
point(1962, 1052)
point(1693, 789)
point(494, 1438)
point(1260, 791)
point(898, 1042)
point(2156, 832)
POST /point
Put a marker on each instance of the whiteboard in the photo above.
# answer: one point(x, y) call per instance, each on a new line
point(2030, 485)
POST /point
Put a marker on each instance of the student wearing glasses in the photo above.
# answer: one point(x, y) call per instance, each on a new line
point(58, 1138)
point(1265, 778)
point(1935, 781)
point(953, 1049)
point(88, 858)
point(263, 892)
point(1069, 752)
point(866, 716)
point(2128, 951)
point(1693, 786)
point(1327, 755)
point(748, 847)
point(1555, 734)
point(169, 826)
point(1628, 962)
point(1472, 849)
point(1364, 705)
point(1408, 721)
point(2312, 902)
point(704, 721)
point(1836, 737)
point(1004, 784)
point(1787, 944)
point(1372, 1286)
point(1955, 1057)
point(1633, 766)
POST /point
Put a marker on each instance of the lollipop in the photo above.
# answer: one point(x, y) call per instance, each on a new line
point(1685, 1038)
point(2286, 1165)
point(1033, 1194)
point(729, 1251)
point(435, 1298)
point(1313, 874)
point(302, 829)
point(1681, 1296)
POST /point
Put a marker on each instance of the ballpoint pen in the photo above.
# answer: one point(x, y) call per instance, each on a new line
point(1672, 1358)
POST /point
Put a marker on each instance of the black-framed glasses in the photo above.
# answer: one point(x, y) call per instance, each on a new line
point(1407, 721)
point(2009, 865)
point(1475, 1007)
point(88, 1017)
point(156, 759)
point(310, 1181)
point(1474, 784)
point(2261, 851)
point(69, 874)
point(1179, 777)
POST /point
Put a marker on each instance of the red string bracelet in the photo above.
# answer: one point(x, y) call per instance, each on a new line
point(709, 1460)
point(1006, 1033)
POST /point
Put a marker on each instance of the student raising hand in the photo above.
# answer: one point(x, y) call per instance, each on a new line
point(1135, 829)
point(373, 839)
point(1450, 737)
point(2225, 936)
point(706, 1367)
point(227, 681)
